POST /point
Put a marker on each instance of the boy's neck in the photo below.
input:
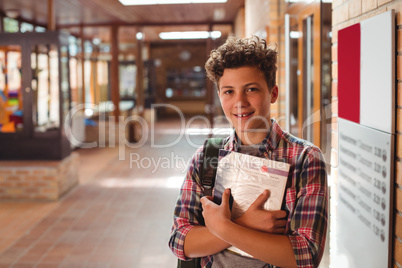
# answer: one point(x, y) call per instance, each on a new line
point(253, 137)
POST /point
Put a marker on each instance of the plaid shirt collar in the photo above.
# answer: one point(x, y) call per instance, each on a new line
point(270, 142)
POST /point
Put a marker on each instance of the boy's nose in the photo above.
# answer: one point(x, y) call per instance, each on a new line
point(241, 101)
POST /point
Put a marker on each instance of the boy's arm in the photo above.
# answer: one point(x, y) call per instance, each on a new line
point(307, 220)
point(270, 248)
point(201, 242)
point(189, 238)
point(308, 208)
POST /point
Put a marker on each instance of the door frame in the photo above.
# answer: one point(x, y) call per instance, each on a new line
point(300, 12)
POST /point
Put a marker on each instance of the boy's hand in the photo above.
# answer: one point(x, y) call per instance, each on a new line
point(256, 217)
point(215, 215)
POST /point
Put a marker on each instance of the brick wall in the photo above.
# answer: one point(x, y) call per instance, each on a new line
point(344, 14)
point(39, 181)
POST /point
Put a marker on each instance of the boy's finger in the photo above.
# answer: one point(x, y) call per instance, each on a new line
point(210, 198)
point(280, 214)
point(226, 197)
point(205, 199)
point(280, 223)
point(261, 199)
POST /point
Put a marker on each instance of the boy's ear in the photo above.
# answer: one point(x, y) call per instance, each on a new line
point(274, 94)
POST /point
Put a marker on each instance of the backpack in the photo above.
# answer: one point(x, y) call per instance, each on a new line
point(209, 164)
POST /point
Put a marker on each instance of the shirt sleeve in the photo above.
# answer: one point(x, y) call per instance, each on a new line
point(308, 221)
point(188, 212)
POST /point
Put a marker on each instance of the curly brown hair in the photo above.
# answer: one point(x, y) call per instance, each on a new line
point(235, 53)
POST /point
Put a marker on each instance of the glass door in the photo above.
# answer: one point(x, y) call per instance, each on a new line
point(309, 79)
point(308, 73)
point(308, 93)
point(45, 88)
point(326, 77)
point(292, 36)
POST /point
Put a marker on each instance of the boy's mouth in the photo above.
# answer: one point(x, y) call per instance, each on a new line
point(243, 115)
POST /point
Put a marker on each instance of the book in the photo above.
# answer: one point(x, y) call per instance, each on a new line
point(248, 176)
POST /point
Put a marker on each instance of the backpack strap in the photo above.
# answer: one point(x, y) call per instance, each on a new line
point(193, 263)
point(210, 163)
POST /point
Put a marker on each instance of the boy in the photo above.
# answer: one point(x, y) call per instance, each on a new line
point(244, 71)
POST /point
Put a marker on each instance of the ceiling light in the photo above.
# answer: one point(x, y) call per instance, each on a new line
point(295, 34)
point(219, 14)
point(166, 2)
point(96, 41)
point(190, 35)
point(139, 35)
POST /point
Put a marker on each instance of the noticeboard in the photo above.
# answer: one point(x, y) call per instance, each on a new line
point(364, 194)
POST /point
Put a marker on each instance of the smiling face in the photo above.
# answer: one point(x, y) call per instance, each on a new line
point(246, 101)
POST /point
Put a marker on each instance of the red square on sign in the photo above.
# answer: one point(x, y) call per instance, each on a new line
point(349, 73)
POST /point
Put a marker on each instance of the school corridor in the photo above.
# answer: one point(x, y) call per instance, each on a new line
point(82, 184)
point(119, 215)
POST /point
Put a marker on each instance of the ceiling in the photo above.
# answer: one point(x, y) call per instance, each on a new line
point(96, 16)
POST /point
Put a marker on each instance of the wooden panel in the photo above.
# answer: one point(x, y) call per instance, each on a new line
point(317, 74)
point(107, 12)
point(114, 69)
point(160, 14)
point(303, 11)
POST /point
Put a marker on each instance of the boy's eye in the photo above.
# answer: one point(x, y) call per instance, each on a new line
point(252, 89)
point(227, 92)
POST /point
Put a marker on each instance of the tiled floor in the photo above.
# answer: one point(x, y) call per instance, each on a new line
point(118, 216)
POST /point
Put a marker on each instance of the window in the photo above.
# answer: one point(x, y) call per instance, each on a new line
point(10, 25)
point(26, 27)
point(11, 101)
point(45, 81)
point(186, 82)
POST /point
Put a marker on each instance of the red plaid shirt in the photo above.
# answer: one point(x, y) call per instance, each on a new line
point(306, 196)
